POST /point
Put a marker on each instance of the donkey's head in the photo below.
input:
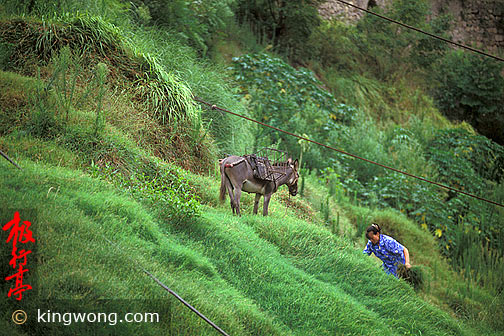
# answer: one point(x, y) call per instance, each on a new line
point(292, 182)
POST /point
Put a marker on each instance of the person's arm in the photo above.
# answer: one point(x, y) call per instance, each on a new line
point(367, 250)
point(406, 258)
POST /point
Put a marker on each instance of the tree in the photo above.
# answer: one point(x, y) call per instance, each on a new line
point(286, 24)
point(471, 88)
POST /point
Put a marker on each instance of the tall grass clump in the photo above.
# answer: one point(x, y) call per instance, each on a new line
point(54, 98)
point(138, 74)
point(477, 259)
point(97, 40)
point(111, 10)
point(66, 70)
point(462, 94)
point(231, 134)
point(101, 76)
point(169, 98)
point(44, 121)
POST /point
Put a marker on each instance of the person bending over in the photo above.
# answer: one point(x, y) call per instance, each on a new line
point(387, 249)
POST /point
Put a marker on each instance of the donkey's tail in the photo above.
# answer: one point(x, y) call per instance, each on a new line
point(222, 195)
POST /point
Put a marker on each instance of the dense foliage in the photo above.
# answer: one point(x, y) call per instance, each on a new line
point(284, 24)
point(194, 22)
point(89, 82)
point(471, 88)
point(281, 96)
point(291, 99)
point(162, 188)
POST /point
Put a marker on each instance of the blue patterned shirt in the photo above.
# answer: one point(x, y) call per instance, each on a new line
point(389, 251)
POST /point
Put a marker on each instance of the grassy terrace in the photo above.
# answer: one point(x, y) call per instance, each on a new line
point(119, 174)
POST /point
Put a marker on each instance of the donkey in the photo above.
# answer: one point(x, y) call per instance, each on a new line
point(237, 175)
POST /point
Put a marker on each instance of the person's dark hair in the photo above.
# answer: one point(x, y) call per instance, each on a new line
point(375, 228)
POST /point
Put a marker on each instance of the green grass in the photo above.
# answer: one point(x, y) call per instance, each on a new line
point(286, 274)
point(205, 80)
point(147, 64)
point(278, 274)
point(75, 216)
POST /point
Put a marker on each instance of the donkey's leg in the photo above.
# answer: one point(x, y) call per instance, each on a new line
point(229, 188)
point(267, 198)
point(237, 192)
point(256, 203)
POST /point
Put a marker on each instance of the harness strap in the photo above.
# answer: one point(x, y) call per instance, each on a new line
point(231, 165)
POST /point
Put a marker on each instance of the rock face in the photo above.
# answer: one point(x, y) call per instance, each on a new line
point(335, 9)
point(478, 23)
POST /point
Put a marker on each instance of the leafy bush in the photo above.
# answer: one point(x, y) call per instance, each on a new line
point(166, 191)
point(280, 95)
point(464, 159)
point(332, 44)
point(388, 49)
point(469, 230)
point(470, 87)
point(428, 50)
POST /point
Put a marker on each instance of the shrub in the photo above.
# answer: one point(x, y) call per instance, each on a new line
point(284, 24)
point(465, 159)
point(388, 49)
point(196, 22)
point(280, 95)
point(470, 88)
point(332, 45)
point(166, 191)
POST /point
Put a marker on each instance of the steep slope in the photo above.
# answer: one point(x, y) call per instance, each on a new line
point(251, 275)
point(104, 201)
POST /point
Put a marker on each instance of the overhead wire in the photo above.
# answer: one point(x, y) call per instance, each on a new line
point(423, 31)
point(9, 159)
point(168, 289)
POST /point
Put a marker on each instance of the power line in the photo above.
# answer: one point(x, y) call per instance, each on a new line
point(214, 107)
point(8, 159)
point(423, 31)
point(178, 297)
point(194, 310)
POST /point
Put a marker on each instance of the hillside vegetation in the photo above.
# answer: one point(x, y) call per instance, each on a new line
point(119, 169)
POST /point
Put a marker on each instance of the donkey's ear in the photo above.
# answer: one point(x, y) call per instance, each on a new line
point(296, 164)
